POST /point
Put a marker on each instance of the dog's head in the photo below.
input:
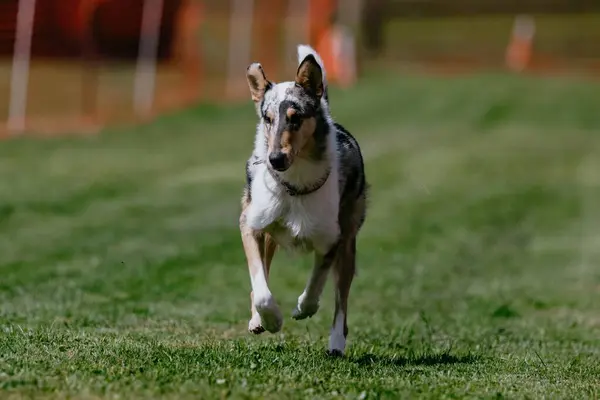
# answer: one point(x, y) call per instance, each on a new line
point(289, 111)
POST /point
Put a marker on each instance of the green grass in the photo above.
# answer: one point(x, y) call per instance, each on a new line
point(122, 273)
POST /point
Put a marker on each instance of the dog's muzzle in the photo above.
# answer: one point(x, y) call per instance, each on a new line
point(278, 161)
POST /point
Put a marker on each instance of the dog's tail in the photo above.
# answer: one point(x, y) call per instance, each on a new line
point(303, 51)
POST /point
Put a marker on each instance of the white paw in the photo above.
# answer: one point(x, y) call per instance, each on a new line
point(337, 337)
point(269, 314)
point(255, 325)
point(337, 344)
point(306, 308)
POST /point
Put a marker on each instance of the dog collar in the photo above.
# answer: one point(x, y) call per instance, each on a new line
point(293, 190)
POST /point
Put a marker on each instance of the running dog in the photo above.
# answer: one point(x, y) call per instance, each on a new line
point(305, 190)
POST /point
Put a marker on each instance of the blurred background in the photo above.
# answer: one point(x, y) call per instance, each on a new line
point(87, 54)
point(122, 273)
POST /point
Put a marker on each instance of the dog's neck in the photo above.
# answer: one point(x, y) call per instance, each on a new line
point(305, 181)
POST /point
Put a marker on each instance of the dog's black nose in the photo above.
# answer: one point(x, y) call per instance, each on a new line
point(277, 161)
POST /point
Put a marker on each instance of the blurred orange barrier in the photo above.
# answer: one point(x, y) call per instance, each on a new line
point(268, 16)
point(85, 34)
point(99, 42)
point(320, 16)
point(333, 41)
point(189, 52)
point(520, 47)
point(337, 49)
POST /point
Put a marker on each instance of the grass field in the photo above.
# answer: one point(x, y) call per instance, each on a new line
point(122, 273)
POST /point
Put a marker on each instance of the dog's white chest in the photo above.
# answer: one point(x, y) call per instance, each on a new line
point(304, 226)
point(296, 222)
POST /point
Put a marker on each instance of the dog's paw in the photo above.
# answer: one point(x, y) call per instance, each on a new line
point(269, 314)
point(337, 342)
point(335, 353)
point(255, 325)
point(305, 310)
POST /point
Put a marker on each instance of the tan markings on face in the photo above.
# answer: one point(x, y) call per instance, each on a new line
point(299, 142)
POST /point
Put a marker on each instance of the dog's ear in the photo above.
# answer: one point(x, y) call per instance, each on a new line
point(257, 81)
point(310, 76)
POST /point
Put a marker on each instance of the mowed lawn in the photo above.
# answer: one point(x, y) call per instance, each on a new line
point(122, 273)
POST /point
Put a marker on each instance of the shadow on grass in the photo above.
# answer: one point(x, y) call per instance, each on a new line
point(368, 359)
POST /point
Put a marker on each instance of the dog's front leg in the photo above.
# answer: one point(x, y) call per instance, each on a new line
point(259, 252)
point(308, 302)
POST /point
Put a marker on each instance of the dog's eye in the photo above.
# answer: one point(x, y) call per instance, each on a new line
point(267, 119)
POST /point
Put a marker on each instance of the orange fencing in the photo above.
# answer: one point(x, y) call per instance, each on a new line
point(83, 54)
point(85, 70)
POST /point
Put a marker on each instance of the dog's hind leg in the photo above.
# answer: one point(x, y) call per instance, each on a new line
point(343, 273)
point(265, 312)
point(308, 302)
